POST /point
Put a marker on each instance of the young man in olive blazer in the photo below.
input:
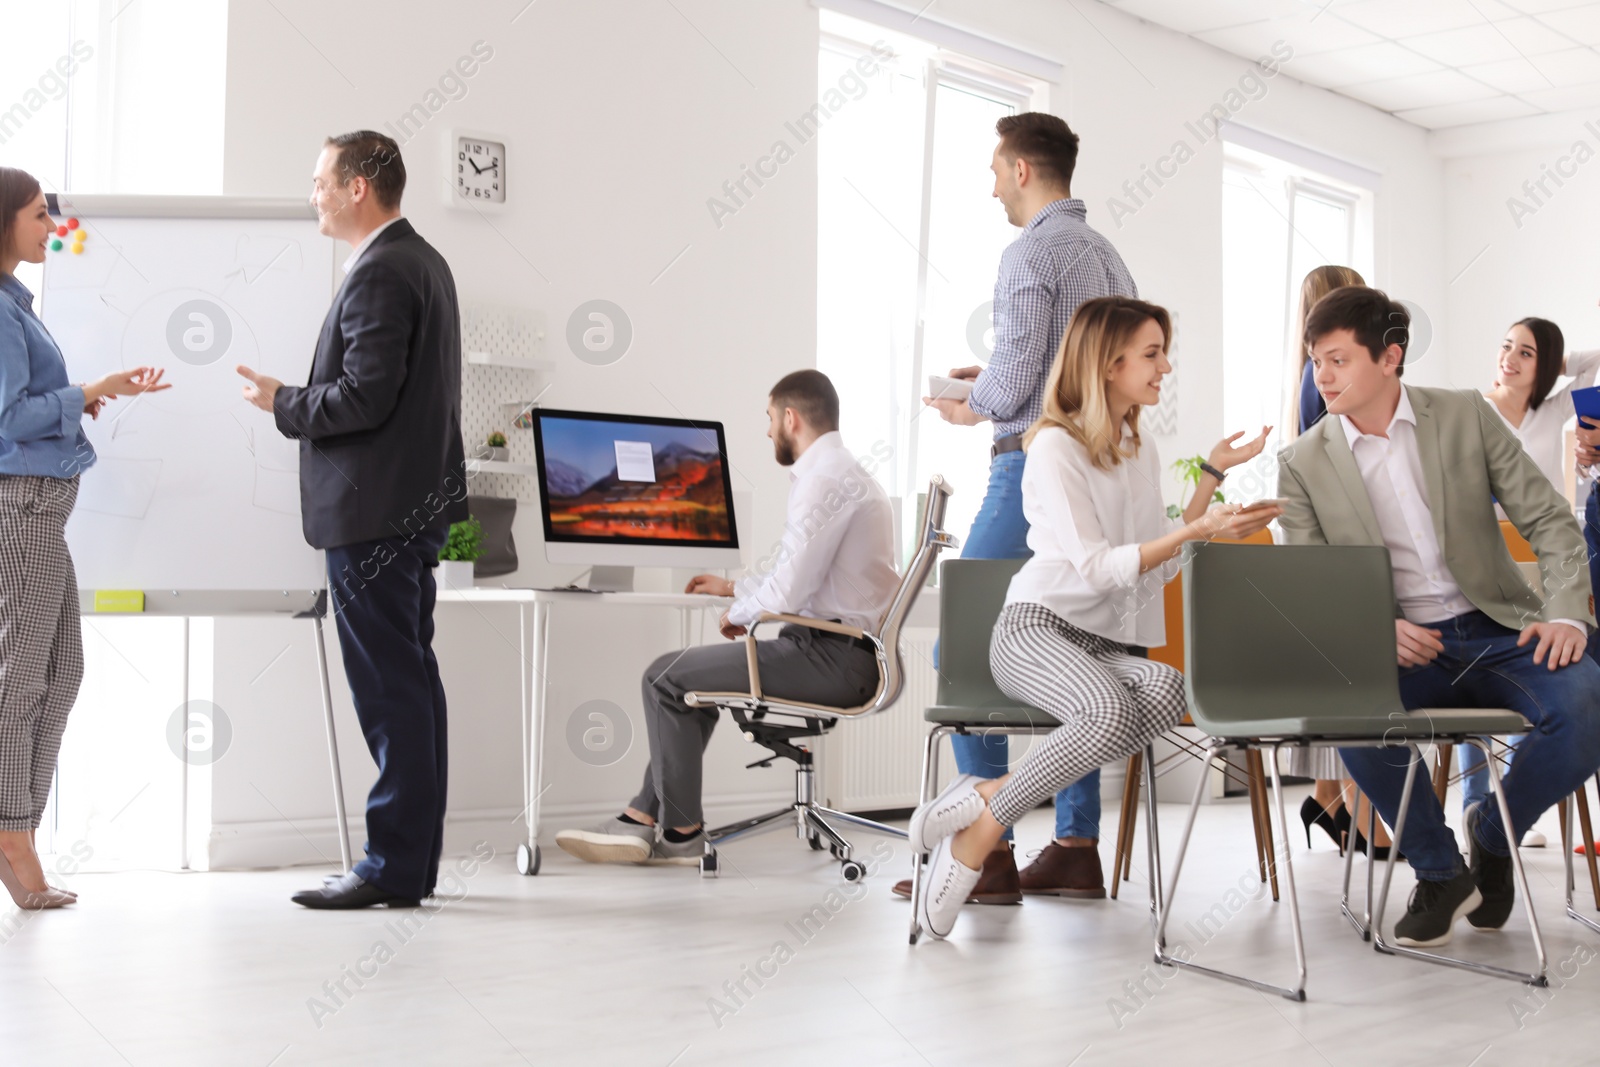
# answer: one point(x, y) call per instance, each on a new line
point(1419, 471)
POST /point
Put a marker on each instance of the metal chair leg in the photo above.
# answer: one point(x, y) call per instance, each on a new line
point(1378, 942)
point(1566, 850)
point(1153, 833)
point(1165, 910)
point(930, 774)
point(1363, 925)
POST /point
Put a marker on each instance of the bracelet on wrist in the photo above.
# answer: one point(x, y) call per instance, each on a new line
point(1209, 469)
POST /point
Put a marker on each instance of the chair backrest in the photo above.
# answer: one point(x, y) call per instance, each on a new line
point(932, 540)
point(1171, 653)
point(971, 594)
point(1292, 630)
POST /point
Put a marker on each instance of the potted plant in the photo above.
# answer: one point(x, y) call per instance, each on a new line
point(494, 448)
point(1188, 471)
point(463, 545)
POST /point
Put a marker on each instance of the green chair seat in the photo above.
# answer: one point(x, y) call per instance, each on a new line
point(1014, 715)
point(1422, 725)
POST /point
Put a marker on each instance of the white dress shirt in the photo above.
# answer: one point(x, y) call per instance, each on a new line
point(1391, 468)
point(836, 558)
point(1543, 429)
point(1085, 526)
point(366, 242)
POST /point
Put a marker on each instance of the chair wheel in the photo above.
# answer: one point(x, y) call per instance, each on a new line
point(815, 842)
point(528, 860)
point(708, 865)
point(852, 870)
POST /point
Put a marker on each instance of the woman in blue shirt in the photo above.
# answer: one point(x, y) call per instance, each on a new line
point(43, 450)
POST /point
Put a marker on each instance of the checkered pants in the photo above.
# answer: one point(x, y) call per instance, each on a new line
point(1110, 704)
point(41, 645)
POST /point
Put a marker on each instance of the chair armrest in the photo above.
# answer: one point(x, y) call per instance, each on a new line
point(815, 624)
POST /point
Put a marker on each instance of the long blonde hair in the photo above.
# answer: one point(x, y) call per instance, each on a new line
point(1317, 284)
point(1075, 395)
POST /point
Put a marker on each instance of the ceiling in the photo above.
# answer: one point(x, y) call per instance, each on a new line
point(1434, 63)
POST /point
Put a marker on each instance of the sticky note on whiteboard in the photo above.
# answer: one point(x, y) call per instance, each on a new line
point(118, 600)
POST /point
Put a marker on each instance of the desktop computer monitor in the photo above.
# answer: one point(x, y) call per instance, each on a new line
point(624, 491)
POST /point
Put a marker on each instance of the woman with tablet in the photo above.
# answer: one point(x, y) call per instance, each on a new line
point(43, 450)
point(1100, 540)
point(1531, 358)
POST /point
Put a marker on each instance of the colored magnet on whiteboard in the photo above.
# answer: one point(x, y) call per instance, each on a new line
point(79, 235)
point(55, 245)
point(62, 231)
point(126, 600)
point(72, 224)
point(77, 248)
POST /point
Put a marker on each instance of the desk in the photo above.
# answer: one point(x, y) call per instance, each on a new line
point(533, 619)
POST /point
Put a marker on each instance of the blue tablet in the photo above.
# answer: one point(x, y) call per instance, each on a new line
point(1586, 402)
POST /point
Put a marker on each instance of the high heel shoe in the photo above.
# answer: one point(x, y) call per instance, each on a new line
point(1313, 813)
point(29, 899)
point(1378, 853)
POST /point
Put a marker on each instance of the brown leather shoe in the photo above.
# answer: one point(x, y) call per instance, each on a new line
point(1059, 871)
point(996, 885)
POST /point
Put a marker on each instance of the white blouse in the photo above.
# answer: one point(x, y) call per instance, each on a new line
point(1085, 526)
point(1542, 432)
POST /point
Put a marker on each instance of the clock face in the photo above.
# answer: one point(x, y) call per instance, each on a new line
point(480, 170)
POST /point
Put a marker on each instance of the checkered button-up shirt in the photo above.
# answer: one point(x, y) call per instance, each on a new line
point(1056, 264)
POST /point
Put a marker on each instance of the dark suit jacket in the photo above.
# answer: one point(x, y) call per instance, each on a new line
point(379, 421)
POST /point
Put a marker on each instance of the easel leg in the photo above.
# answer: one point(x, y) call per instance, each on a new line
point(333, 745)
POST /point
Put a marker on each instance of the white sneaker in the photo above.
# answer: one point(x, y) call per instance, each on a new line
point(612, 841)
point(946, 885)
point(1534, 839)
point(952, 811)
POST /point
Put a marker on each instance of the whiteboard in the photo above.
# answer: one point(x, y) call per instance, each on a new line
point(194, 490)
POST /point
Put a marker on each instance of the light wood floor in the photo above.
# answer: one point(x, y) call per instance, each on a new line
point(602, 965)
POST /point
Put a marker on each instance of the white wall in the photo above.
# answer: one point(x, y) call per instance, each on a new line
point(1512, 253)
point(623, 118)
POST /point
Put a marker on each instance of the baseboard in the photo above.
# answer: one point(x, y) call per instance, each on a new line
point(276, 843)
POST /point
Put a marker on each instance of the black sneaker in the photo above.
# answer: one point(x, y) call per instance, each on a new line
point(1491, 874)
point(1433, 910)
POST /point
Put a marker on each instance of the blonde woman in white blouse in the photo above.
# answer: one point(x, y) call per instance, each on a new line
point(1102, 547)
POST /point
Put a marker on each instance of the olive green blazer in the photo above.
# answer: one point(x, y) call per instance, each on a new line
point(1470, 459)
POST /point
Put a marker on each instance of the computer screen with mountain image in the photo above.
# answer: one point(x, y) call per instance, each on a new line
point(622, 491)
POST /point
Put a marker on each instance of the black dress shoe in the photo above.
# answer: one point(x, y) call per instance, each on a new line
point(349, 891)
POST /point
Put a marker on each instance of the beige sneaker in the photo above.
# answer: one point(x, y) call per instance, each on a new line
point(613, 841)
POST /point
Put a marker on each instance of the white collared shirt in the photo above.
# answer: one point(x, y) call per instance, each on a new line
point(1391, 468)
point(366, 242)
point(836, 560)
point(1085, 526)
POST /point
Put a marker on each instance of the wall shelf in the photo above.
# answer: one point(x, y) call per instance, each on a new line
point(498, 466)
point(494, 359)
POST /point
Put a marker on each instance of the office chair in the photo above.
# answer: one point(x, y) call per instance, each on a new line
point(778, 725)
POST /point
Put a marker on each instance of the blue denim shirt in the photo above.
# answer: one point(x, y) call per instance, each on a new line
point(41, 412)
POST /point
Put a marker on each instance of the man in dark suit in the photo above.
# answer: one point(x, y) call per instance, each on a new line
point(381, 480)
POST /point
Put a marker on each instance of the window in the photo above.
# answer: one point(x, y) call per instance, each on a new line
point(114, 98)
point(908, 245)
point(118, 98)
point(1279, 221)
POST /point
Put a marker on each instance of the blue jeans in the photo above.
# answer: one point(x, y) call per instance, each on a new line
point(1475, 773)
point(1482, 667)
point(1000, 531)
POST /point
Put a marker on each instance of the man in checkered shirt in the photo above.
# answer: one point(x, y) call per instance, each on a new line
point(1056, 264)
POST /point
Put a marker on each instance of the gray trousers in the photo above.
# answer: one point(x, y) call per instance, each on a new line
point(797, 665)
point(41, 644)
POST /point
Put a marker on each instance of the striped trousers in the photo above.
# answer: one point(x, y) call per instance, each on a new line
point(1111, 704)
point(41, 644)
